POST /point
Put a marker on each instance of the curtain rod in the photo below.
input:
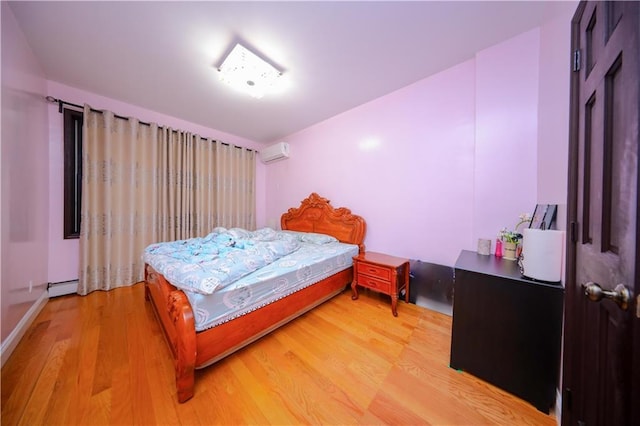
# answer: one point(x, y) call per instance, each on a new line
point(61, 103)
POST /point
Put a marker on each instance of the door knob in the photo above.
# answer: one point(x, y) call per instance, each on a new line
point(620, 294)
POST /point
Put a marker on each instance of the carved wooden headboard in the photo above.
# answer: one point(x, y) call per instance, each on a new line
point(316, 214)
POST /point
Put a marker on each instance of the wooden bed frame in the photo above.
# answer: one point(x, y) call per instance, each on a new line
point(193, 350)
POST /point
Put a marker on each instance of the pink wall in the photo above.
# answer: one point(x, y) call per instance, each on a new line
point(64, 254)
point(506, 134)
point(553, 109)
point(25, 169)
point(404, 162)
point(431, 167)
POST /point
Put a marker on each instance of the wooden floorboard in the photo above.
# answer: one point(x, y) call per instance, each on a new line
point(102, 359)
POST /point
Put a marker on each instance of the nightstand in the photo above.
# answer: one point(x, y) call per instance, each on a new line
point(382, 273)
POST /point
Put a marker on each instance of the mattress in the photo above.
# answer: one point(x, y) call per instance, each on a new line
point(306, 266)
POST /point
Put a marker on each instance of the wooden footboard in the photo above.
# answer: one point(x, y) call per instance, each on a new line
point(222, 340)
point(191, 349)
point(174, 312)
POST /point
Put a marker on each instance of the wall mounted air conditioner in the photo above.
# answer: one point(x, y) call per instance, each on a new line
point(274, 153)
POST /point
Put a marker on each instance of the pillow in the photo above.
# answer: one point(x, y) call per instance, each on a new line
point(264, 234)
point(239, 233)
point(312, 237)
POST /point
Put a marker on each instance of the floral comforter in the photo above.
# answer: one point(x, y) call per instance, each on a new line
point(206, 264)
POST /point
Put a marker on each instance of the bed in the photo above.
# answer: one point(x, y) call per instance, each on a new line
point(192, 349)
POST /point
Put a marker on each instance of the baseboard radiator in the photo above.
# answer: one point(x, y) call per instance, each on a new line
point(62, 288)
point(431, 286)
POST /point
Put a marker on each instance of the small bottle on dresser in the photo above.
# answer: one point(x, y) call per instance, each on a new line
point(498, 247)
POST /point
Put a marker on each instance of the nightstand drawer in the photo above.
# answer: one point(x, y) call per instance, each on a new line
point(374, 284)
point(374, 271)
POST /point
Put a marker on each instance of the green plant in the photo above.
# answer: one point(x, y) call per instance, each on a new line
point(509, 236)
point(514, 236)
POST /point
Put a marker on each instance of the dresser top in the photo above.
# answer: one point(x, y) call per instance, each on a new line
point(490, 265)
point(381, 259)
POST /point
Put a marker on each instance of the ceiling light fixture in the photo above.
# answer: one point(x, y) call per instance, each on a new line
point(244, 70)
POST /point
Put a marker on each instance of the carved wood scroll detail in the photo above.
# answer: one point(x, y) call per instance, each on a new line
point(181, 315)
point(316, 214)
point(175, 300)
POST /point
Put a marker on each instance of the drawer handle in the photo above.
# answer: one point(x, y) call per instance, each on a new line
point(372, 284)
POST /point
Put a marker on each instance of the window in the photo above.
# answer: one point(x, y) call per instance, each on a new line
point(72, 172)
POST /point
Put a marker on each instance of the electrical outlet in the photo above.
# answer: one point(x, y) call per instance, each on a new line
point(30, 286)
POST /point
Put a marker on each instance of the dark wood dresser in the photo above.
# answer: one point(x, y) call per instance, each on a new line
point(507, 329)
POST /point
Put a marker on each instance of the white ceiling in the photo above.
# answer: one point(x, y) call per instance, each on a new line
point(335, 55)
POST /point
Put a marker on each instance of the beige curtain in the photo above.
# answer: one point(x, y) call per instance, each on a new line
point(207, 184)
point(235, 186)
point(143, 184)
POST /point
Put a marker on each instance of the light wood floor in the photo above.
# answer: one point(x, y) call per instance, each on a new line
point(101, 359)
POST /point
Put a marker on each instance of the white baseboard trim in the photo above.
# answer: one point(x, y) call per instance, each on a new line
point(63, 288)
point(12, 340)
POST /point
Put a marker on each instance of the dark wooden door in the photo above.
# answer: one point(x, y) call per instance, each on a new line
point(602, 336)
